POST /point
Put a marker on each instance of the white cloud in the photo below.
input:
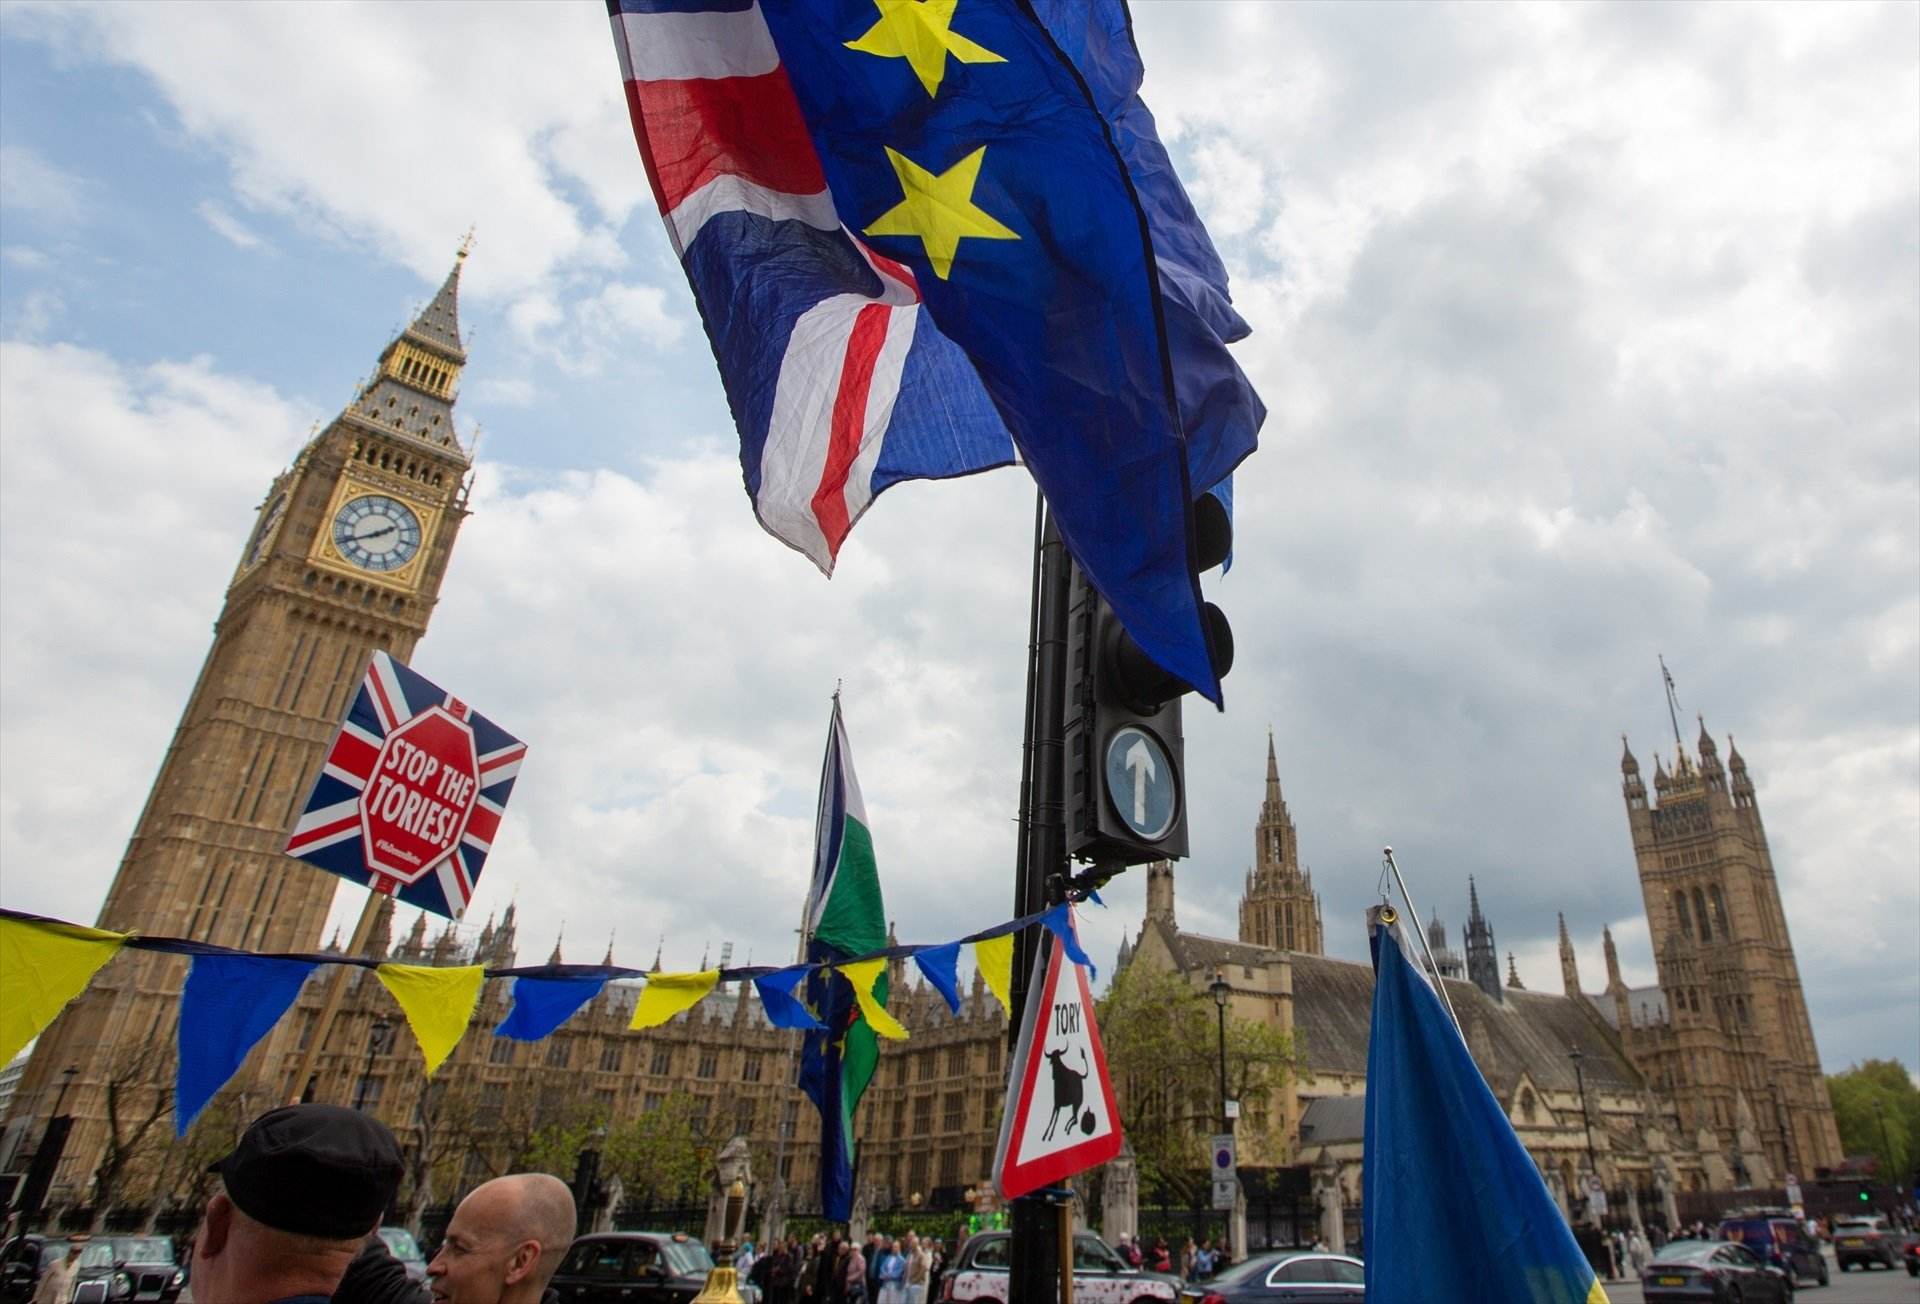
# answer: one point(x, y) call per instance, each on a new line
point(227, 226)
point(30, 184)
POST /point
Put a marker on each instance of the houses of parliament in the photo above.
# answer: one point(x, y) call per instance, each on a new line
point(1708, 1080)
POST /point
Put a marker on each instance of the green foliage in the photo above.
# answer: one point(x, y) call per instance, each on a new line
point(1162, 1041)
point(1877, 1107)
point(657, 1154)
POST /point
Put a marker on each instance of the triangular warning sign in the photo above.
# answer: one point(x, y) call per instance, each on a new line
point(1060, 1117)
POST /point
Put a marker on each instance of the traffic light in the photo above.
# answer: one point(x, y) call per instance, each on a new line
point(1125, 758)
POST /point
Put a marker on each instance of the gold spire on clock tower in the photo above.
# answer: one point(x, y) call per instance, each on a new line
point(345, 555)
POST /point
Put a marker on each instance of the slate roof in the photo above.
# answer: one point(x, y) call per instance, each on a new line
point(1328, 1120)
point(1527, 1032)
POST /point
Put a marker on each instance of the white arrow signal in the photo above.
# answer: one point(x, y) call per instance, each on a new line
point(1139, 760)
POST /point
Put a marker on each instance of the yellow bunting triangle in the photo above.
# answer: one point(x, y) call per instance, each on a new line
point(666, 994)
point(438, 1004)
point(863, 975)
point(994, 955)
point(42, 967)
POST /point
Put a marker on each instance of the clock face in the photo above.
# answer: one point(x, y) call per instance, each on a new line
point(376, 533)
point(263, 531)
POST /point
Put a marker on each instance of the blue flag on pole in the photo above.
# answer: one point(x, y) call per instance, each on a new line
point(923, 237)
point(1456, 1212)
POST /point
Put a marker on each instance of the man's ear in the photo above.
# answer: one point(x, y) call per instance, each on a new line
point(216, 1226)
point(526, 1257)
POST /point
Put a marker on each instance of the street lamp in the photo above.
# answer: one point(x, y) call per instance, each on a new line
point(376, 1042)
point(1886, 1146)
point(1579, 1076)
point(1221, 991)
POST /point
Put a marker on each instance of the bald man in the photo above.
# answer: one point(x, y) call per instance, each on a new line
point(505, 1242)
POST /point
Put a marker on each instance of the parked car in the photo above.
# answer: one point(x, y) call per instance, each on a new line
point(636, 1268)
point(1780, 1239)
point(1286, 1277)
point(1866, 1241)
point(1100, 1276)
point(129, 1269)
point(1723, 1272)
point(402, 1246)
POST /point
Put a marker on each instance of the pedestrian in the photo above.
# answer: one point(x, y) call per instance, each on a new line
point(376, 1277)
point(1161, 1260)
point(876, 1244)
point(919, 1268)
point(777, 1273)
point(1186, 1260)
point(505, 1242)
point(56, 1279)
point(853, 1278)
point(1636, 1251)
point(891, 1274)
point(297, 1198)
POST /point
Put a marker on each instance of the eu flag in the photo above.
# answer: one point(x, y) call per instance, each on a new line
point(927, 239)
point(1456, 1212)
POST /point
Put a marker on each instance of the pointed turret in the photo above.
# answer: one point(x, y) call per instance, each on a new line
point(1613, 960)
point(1513, 975)
point(1742, 785)
point(1630, 786)
point(1483, 957)
point(412, 392)
point(381, 938)
point(607, 960)
point(1569, 969)
point(557, 939)
point(1710, 759)
point(660, 946)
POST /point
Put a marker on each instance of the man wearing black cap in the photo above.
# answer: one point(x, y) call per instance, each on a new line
point(298, 1196)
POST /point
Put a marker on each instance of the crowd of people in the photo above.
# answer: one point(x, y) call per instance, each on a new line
point(835, 1270)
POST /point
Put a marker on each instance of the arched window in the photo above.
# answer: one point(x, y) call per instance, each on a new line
point(1700, 909)
point(1719, 908)
point(1680, 909)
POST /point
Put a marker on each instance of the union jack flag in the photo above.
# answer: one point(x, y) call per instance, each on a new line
point(332, 833)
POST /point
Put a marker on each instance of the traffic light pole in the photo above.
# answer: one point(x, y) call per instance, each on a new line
point(1040, 863)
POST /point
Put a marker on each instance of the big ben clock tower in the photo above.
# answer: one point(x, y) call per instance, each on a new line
point(346, 555)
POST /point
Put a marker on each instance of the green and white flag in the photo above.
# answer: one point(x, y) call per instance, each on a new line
point(845, 918)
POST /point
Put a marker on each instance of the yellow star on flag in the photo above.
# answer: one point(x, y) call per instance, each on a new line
point(939, 210)
point(921, 32)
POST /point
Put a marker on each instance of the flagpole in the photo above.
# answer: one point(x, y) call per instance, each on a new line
point(1413, 912)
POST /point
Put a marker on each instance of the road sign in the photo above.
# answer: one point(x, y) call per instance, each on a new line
point(1060, 1117)
point(1142, 783)
point(1225, 1192)
point(1222, 1148)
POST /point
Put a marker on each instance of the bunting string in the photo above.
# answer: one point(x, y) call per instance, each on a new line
point(234, 997)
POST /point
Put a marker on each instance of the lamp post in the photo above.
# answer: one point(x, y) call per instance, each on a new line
point(376, 1042)
point(1886, 1146)
point(1575, 1054)
point(1221, 991)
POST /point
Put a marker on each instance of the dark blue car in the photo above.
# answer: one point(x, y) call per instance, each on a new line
point(1284, 1277)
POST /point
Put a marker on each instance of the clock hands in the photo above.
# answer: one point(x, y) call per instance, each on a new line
point(387, 529)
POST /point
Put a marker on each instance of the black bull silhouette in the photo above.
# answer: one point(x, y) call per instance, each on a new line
point(1069, 1093)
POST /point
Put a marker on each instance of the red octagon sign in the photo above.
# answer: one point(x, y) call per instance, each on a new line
point(416, 804)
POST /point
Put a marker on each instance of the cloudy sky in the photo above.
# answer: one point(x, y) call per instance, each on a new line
point(1589, 335)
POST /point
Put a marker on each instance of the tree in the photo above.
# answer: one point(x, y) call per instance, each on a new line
point(138, 1095)
point(1161, 1038)
point(1865, 1097)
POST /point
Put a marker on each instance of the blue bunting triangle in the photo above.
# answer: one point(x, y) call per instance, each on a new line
point(941, 965)
point(1059, 921)
point(542, 1004)
point(229, 1003)
point(784, 1010)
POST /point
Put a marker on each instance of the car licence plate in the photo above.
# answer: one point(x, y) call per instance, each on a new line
point(1673, 1281)
point(1851, 1240)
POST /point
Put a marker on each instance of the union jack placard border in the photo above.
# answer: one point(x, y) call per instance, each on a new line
point(328, 833)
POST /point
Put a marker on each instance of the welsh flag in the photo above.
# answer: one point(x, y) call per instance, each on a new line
point(845, 918)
